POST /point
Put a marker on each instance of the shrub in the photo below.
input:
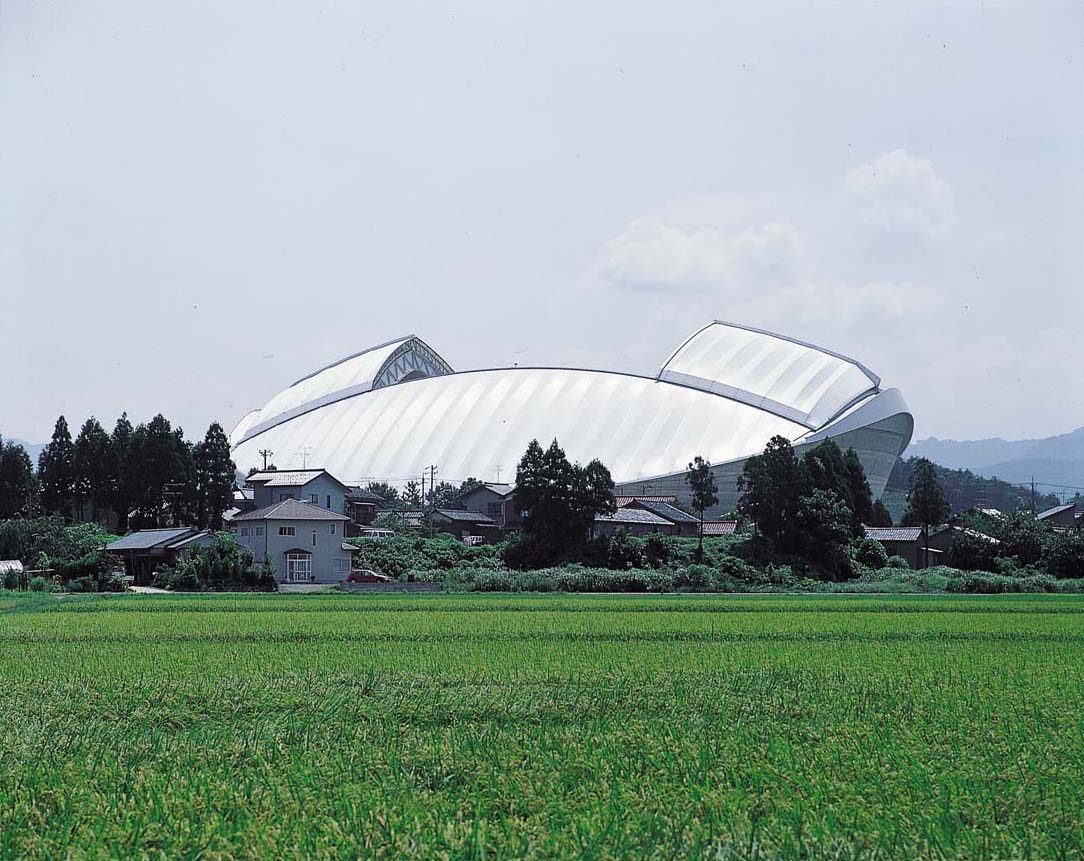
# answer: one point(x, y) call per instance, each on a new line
point(871, 553)
point(695, 577)
point(41, 584)
point(972, 552)
point(622, 554)
point(220, 567)
point(1063, 555)
point(895, 561)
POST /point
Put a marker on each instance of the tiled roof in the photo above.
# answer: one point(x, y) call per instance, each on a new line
point(667, 511)
point(287, 477)
point(289, 509)
point(632, 515)
point(893, 533)
point(145, 539)
point(622, 501)
point(720, 527)
point(363, 494)
point(464, 516)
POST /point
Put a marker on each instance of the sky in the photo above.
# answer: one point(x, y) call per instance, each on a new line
point(201, 202)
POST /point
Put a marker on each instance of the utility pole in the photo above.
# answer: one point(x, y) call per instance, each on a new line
point(1033, 496)
point(266, 452)
point(432, 502)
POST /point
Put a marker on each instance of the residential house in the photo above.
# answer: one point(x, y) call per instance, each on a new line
point(715, 528)
point(147, 550)
point(1060, 516)
point(362, 505)
point(468, 526)
point(496, 501)
point(905, 541)
point(303, 541)
point(314, 486)
point(634, 521)
point(684, 523)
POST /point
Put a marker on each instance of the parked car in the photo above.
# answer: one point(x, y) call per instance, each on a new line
point(366, 575)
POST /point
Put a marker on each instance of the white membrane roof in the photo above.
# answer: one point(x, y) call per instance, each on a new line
point(801, 382)
point(469, 423)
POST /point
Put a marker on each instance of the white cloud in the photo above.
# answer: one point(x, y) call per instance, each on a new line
point(901, 194)
point(729, 256)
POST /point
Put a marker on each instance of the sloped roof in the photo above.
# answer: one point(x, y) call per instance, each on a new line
point(289, 509)
point(720, 527)
point(286, 477)
point(11, 566)
point(622, 501)
point(666, 511)
point(632, 515)
point(1057, 509)
point(893, 533)
point(147, 539)
point(464, 516)
point(792, 379)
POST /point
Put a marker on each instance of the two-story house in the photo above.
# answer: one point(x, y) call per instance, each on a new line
point(314, 486)
point(303, 541)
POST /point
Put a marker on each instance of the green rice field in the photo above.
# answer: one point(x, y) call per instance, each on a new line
point(541, 726)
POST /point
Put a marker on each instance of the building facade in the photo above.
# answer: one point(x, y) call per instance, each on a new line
point(303, 541)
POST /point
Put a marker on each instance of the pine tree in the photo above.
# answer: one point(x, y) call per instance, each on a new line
point(701, 481)
point(926, 503)
point(56, 471)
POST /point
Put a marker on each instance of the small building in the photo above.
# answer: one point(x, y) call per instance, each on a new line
point(905, 541)
point(942, 537)
point(362, 504)
point(303, 541)
point(145, 551)
point(468, 526)
point(1062, 516)
point(496, 501)
point(634, 521)
point(314, 486)
point(622, 501)
point(684, 523)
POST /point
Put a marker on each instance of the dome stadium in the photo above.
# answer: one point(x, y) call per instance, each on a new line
point(391, 412)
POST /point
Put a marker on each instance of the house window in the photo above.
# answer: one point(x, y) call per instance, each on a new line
point(340, 566)
point(493, 508)
point(314, 538)
point(244, 532)
point(259, 531)
point(314, 498)
point(298, 567)
point(287, 530)
point(331, 528)
point(329, 502)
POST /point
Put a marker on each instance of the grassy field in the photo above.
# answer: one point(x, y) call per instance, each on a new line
point(467, 726)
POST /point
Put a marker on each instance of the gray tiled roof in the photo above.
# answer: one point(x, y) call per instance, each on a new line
point(1057, 509)
point(290, 509)
point(893, 533)
point(667, 511)
point(145, 539)
point(720, 527)
point(464, 516)
point(632, 515)
point(288, 477)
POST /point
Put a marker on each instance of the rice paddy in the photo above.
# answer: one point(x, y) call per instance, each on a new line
point(542, 726)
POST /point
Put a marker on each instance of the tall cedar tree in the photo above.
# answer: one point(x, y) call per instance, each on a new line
point(880, 515)
point(705, 492)
point(214, 477)
point(16, 481)
point(91, 466)
point(926, 503)
point(157, 470)
point(56, 471)
point(121, 479)
point(559, 500)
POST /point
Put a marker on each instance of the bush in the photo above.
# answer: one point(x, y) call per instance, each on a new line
point(41, 584)
point(970, 551)
point(975, 583)
point(220, 567)
point(871, 553)
point(895, 561)
point(1063, 555)
point(622, 554)
point(695, 577)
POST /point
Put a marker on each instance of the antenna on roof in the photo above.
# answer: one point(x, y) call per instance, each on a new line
point(304, 452)
point(266, 452)
point(498, 469)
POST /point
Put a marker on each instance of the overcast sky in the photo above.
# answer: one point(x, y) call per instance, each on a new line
point(201, 202)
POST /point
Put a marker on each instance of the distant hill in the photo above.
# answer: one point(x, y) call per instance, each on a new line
point(32, 449)
point(1055, 460)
